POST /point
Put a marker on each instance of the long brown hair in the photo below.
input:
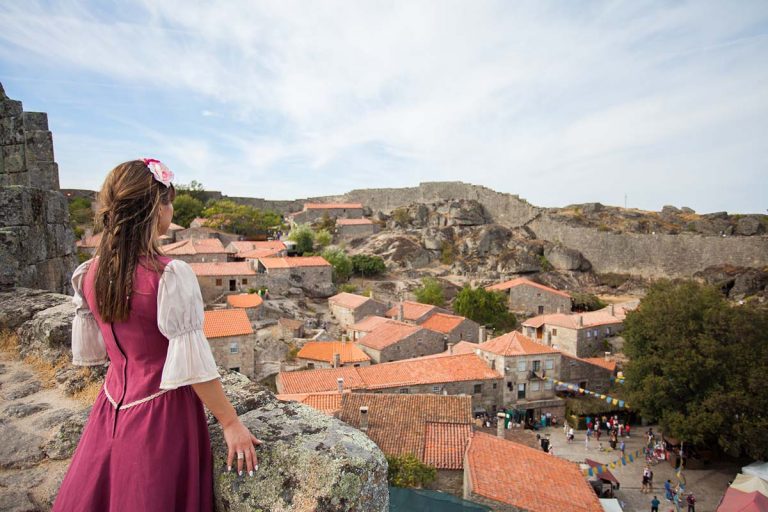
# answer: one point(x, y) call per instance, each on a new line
point(129, 204)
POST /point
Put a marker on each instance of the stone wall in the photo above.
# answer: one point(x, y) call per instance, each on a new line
point(489, 396)
point(347, 316)
point(535, 301)
point(654, 256)
point(37, 245)
point(308, 460)
point(421, 343)
point(585, 375)
point(242, 360)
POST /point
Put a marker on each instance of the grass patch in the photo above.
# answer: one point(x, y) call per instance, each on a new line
point(9, 344)
point(88, 394)
point(45, 371)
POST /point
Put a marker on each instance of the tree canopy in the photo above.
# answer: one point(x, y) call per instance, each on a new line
point(430, 292)
point(242, 219)
point(485, 307)
point(342, 265)
point(186, 209)
point(193, 189)
point(367, 265)
point(408, 471)
point(304, 237)
point(699, 365)
point(80, 211)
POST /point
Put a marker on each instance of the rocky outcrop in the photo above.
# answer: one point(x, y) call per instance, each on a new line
point(308, 461)
point(737, 283)
point(37, 245)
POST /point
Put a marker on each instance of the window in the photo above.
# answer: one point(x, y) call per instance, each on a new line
point(521, 365)
point(235, 368)
point(233, 348)
point(232, 285)
point(403, 391)
point(589, 334)
point(549, 364)
point(554, 332)
point(494, 385)
point(535, 385)
point(521, 391)
point(435, 389)
point(356, 365)
point(608, 331)
point(536, 366)
point(218, 282)
point(244, 281)
point(311, 366)
point(478, 389)
point(509, 385)
point(547, 384)
point(541, 310)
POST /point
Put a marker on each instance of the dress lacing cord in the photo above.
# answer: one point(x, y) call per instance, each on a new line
point(120, 407)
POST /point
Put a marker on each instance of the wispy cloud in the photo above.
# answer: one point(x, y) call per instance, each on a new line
point(558, 102)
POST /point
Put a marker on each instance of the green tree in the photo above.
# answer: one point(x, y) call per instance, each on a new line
point(323, 238)
point(367, 265)
point(80, 211)
point(342, 265)
point(583, 301)
point(430, 292)
point(408, 471)
point(326, 222)
point(194, 189)
point(186, 209)
point(241, 219)
point(304, 237)
point(485, 307)
point(699, 365)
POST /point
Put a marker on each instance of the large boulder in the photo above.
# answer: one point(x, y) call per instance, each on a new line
point(749, 226)
point(564, 258)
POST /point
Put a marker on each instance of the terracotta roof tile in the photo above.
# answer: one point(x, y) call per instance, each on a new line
point(257, 254)
point(230, 268)
point(226, 322)
point(92, 241)
point(175, 227)
point(323, 206)
point(434, 428)
point(294, 262)
point(506, 285)
point(388, 334)
point(514, 344)
point(196, 246)
point(411, 310)
point(527, 478)
point(410, 372)
point(245, 300)
point(442, 322)
point(348, 300)
point(325, 350)
point(247, 246)
point(462, 347)
point(589, 319)
point(369, 323)
point(353, 222)
point(328, 403)
point(601, 362)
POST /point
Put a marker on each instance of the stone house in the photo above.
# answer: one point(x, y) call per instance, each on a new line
point(200, 233)
point(355, 228)
point(394, 341)
point(198, 222)
point(364, 326)
point(580, 334)
point(232, 339)
point(413, 312)
point(313, 273)
point(251, 303)
point(512, 477)
point(316, 211)
point(454, 328)
point(220, 279)
point(434, 428)
point(349, 308)
point(531, 298)
point(253, 250)
point(461, 374)
point(288, 328)
point(331, 354)
point(593, 373)
point(202, 250)
point(89, 243)
point(526, 366)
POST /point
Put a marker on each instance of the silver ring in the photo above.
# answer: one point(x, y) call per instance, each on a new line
point(240, 455)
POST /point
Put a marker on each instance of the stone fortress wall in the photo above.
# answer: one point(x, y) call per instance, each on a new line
point(37, 244)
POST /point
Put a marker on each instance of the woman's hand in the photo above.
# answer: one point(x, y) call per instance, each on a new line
point(240, 440)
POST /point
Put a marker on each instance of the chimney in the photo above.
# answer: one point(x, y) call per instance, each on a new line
point(450, 348)
point(400, 312)
point(612, 311)
point(481, 334)
point(336, 360)
point(581, 321)
point(607, 354)
point(500, 424)
point(364, 418)
point(340, 383)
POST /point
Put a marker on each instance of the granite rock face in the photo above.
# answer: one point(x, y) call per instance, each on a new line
point(37, 244)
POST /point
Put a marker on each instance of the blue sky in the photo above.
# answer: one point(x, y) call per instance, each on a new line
point(559, 102)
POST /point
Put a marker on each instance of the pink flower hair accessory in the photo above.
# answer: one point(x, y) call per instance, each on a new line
point(159, 170)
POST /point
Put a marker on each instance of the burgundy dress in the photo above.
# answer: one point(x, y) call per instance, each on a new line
point(144, 448)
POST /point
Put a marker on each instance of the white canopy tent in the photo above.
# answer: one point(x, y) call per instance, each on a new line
point(759, 469)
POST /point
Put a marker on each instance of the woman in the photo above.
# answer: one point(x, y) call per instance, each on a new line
point(146, 445)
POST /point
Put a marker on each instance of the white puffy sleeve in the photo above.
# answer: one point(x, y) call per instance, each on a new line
point(87, 344)
point(180, 319)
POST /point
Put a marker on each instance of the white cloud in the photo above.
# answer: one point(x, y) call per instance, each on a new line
point(557, 102)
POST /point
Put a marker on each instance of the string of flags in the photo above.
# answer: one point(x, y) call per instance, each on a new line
point(623, 461)
point(573, 387)
point(618, 379)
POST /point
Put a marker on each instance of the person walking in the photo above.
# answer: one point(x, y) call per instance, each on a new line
point(655, 504)
point(691, 501)
point(146, 444)
point(622, 446)
point(668, 490)
point(570, 435)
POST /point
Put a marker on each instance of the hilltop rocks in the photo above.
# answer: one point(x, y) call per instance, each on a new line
point(563, 258)
point(749, 226)
point(736, 283)
point(461, 212)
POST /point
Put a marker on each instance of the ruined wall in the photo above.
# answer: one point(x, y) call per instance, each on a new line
point(654, 256)
point(37, 245)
